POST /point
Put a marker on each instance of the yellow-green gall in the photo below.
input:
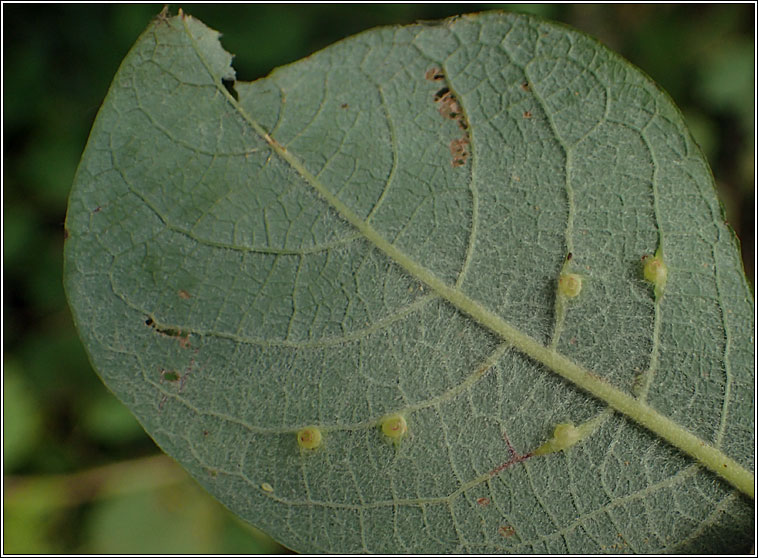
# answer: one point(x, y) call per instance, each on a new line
point(655, 271)
point(394, 426)
point(309, 438)
point(570, 285)
point(565, 435)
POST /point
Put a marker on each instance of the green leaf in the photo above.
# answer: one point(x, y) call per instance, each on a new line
point(365, 246)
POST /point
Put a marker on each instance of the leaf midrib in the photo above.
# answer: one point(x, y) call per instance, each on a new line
point(635, 409)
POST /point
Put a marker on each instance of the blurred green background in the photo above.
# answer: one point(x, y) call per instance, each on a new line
point(79, 473)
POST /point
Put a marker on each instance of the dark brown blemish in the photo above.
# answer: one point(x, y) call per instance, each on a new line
point(450, 109)
point(484, 501)
point(65, 233)
point(434, 74)
point(184, 294)
point(344, 105)
point(459, 151)
point(569, 256)
point(97, 209)
point(525, 86)
point(441, 93)
point(527, 114)
point(171, 332)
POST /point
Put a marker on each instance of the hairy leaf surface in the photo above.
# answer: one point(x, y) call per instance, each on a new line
point(369, 242)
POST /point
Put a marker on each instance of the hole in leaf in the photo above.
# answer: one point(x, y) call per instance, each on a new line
point(434, 74)
point(441, 93)
point(229, 85)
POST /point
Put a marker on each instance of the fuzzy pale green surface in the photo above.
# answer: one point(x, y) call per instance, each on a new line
point(349, 239)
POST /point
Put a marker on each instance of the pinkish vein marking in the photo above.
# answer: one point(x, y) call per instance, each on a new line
point(515, 457)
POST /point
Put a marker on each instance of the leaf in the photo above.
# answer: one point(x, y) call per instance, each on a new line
point(365, 247)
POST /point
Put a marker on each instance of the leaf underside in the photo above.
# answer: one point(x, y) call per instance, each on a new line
point(243, 265)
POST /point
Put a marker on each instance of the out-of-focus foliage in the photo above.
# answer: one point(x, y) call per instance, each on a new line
point(62, 428)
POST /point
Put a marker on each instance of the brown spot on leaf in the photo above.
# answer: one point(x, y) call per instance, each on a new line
point(527, 114)
point(449, 107)
point(65, 233)
point(438, 96)
point(434, 74)
point(525, 86)
point(170, 332)
point(274, 143)
point(459, 151)
point(506, 531)
point(344, 105)
point(484, 501)
point(184, 294)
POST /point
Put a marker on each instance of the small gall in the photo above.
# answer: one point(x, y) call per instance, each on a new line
point(655, 271)
point(309, 438)
point(565, 436)
point(569, 285)
point(394, 426)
